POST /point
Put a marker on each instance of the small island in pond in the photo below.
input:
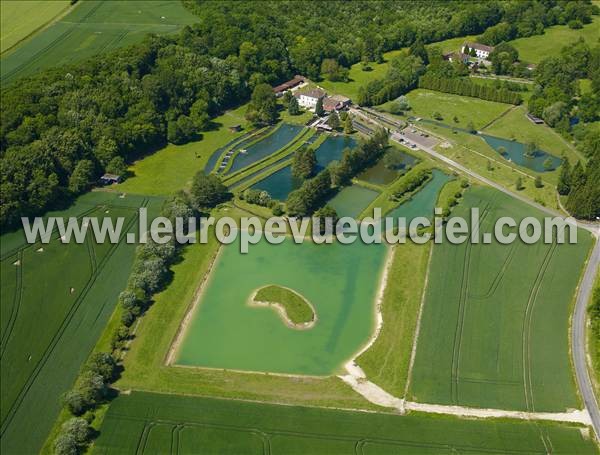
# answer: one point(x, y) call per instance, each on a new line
point(294, 309)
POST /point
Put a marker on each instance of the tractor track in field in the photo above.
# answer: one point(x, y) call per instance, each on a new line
point(266, 435)
point(62, 328)
point(14, 311)
point(49, 46)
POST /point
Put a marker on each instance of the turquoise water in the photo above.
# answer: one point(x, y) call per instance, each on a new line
point(284, 134)
point(352, 200)
point(515, 152)
point(281, 183)
point(423, 202)
point(379, 174)
point(339, 280)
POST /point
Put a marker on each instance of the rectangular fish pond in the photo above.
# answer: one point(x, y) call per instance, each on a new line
point(387, 169)
point(352, 200)
point(339, 281)
point(265, 147)
point(281, 183)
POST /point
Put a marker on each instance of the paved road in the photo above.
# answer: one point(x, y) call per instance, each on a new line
point(584, 293)
point(578, 337)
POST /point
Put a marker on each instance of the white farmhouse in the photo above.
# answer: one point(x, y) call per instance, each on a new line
point(309, 99)
point(482, 51)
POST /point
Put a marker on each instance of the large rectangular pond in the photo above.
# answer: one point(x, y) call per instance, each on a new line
point(281, 183)
point(380, 174)
point(277, 140)
point(340, 281)
point(352, 200)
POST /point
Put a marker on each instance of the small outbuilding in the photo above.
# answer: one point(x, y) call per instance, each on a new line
point(235, 128)
point(109, 179)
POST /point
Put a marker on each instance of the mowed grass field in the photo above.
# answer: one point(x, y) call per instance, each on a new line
point(495, 325)
point(91, 28)
point(533, 49)
point(147, 423)
point(56, 299)
point(19, 19)
point(424, 103)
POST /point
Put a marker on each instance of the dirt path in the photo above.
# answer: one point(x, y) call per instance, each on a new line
point(573, 416)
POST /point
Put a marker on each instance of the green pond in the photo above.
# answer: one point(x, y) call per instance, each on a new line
point(352, 200)
point(423, 202)
point(380, 174)
point(281, 183)
point(339, 280)
point(272, 143)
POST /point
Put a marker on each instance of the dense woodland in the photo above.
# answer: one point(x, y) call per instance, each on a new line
point(558, 100)
point(63, 127)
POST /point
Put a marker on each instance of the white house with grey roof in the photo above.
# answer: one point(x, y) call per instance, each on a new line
point(308, 99)
point(482, 51)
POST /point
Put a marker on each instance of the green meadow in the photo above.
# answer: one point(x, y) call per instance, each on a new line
point(535, 48)
point(56, 300)
point(495, 325)
point(19, 19)
point(152, 423)
point(93, 27)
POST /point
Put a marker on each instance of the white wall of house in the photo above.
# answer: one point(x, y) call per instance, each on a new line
point(307, 102)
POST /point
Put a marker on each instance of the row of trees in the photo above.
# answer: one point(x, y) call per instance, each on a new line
point(557, 98)
point(150, 274)
point(402, 76)
point(465, 87)
point(313, 192)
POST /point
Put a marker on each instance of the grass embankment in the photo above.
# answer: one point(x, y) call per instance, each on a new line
point(156, 423)
point(297, 309)
point(387, 361)
point(20, 20)
point(535, 48)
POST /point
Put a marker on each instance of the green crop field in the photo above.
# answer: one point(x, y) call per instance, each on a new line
point(535, 48)
point(495, 324)
point(56, 299)
point(20, 19)
point(91, 28)
point(152, 423)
